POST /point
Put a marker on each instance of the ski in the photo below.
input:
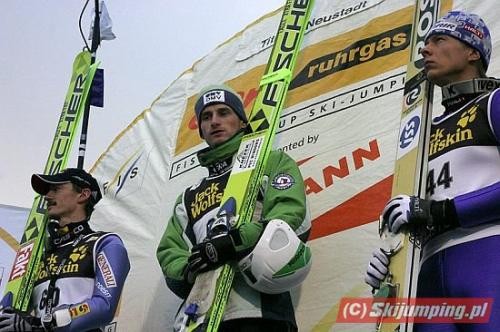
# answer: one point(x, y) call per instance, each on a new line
point(410, 167)
point(25, 266)
point(207, 300)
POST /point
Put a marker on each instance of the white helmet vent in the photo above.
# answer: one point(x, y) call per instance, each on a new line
point(279, 240)
point(279, 261)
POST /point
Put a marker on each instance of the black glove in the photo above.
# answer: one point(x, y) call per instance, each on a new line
point(416, 213)
point(407, 211)
point(209, 255)
point(15, 321)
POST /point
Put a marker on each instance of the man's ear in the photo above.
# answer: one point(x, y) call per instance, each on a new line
point(85, 195)
point(243, 124)
point(474, 54)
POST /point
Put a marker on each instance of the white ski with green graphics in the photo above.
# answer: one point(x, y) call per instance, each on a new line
point(25, 267)
point(211, 290)
point(410, 167)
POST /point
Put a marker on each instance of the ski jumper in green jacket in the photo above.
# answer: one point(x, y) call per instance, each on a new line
point(282, 196)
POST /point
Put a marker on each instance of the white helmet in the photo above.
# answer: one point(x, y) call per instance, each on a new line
point(279, 261)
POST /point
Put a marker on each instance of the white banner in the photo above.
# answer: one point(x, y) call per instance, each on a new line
point(340, 124)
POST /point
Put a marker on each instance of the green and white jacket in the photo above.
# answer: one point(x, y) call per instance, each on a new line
point(282, 196)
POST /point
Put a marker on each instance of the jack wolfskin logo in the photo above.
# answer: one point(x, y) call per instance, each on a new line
point(467, 117)
point(442, 138)
point(79, 253)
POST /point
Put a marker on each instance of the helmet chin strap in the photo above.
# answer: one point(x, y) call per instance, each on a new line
point(453, 91)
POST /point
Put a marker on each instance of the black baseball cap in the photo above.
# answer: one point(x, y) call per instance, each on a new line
point(41, 183)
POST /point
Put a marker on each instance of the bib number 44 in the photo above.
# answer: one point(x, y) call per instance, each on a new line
point(444, 179)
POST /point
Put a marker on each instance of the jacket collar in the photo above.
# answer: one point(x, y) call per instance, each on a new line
point(68, 233)
point(456, 95)
point(219, 159)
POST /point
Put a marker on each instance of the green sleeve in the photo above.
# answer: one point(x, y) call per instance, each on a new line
point(281, 201)
point(173, 251)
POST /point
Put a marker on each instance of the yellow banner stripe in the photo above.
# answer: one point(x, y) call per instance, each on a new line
point(9, 239)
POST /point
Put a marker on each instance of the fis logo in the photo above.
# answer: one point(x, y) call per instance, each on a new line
point(409, 132)
point(214, 96)
point(130, 172)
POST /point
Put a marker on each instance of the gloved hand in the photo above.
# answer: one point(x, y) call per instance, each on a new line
point(15, 321)
point(60, 317)
point(405, 210)
point(223, 243)
point(416, 213)
point(377, 269)
point(209, 255)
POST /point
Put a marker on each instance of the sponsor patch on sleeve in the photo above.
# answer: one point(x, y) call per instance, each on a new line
point(282, 181)
point(79, 310)
point(106, 270)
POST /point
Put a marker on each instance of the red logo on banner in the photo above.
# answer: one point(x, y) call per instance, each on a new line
point(358, 210)
point(21, 261)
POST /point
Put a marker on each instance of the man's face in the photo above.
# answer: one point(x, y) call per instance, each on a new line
point(219, 123)
point(448, 60)
point(63, 202)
